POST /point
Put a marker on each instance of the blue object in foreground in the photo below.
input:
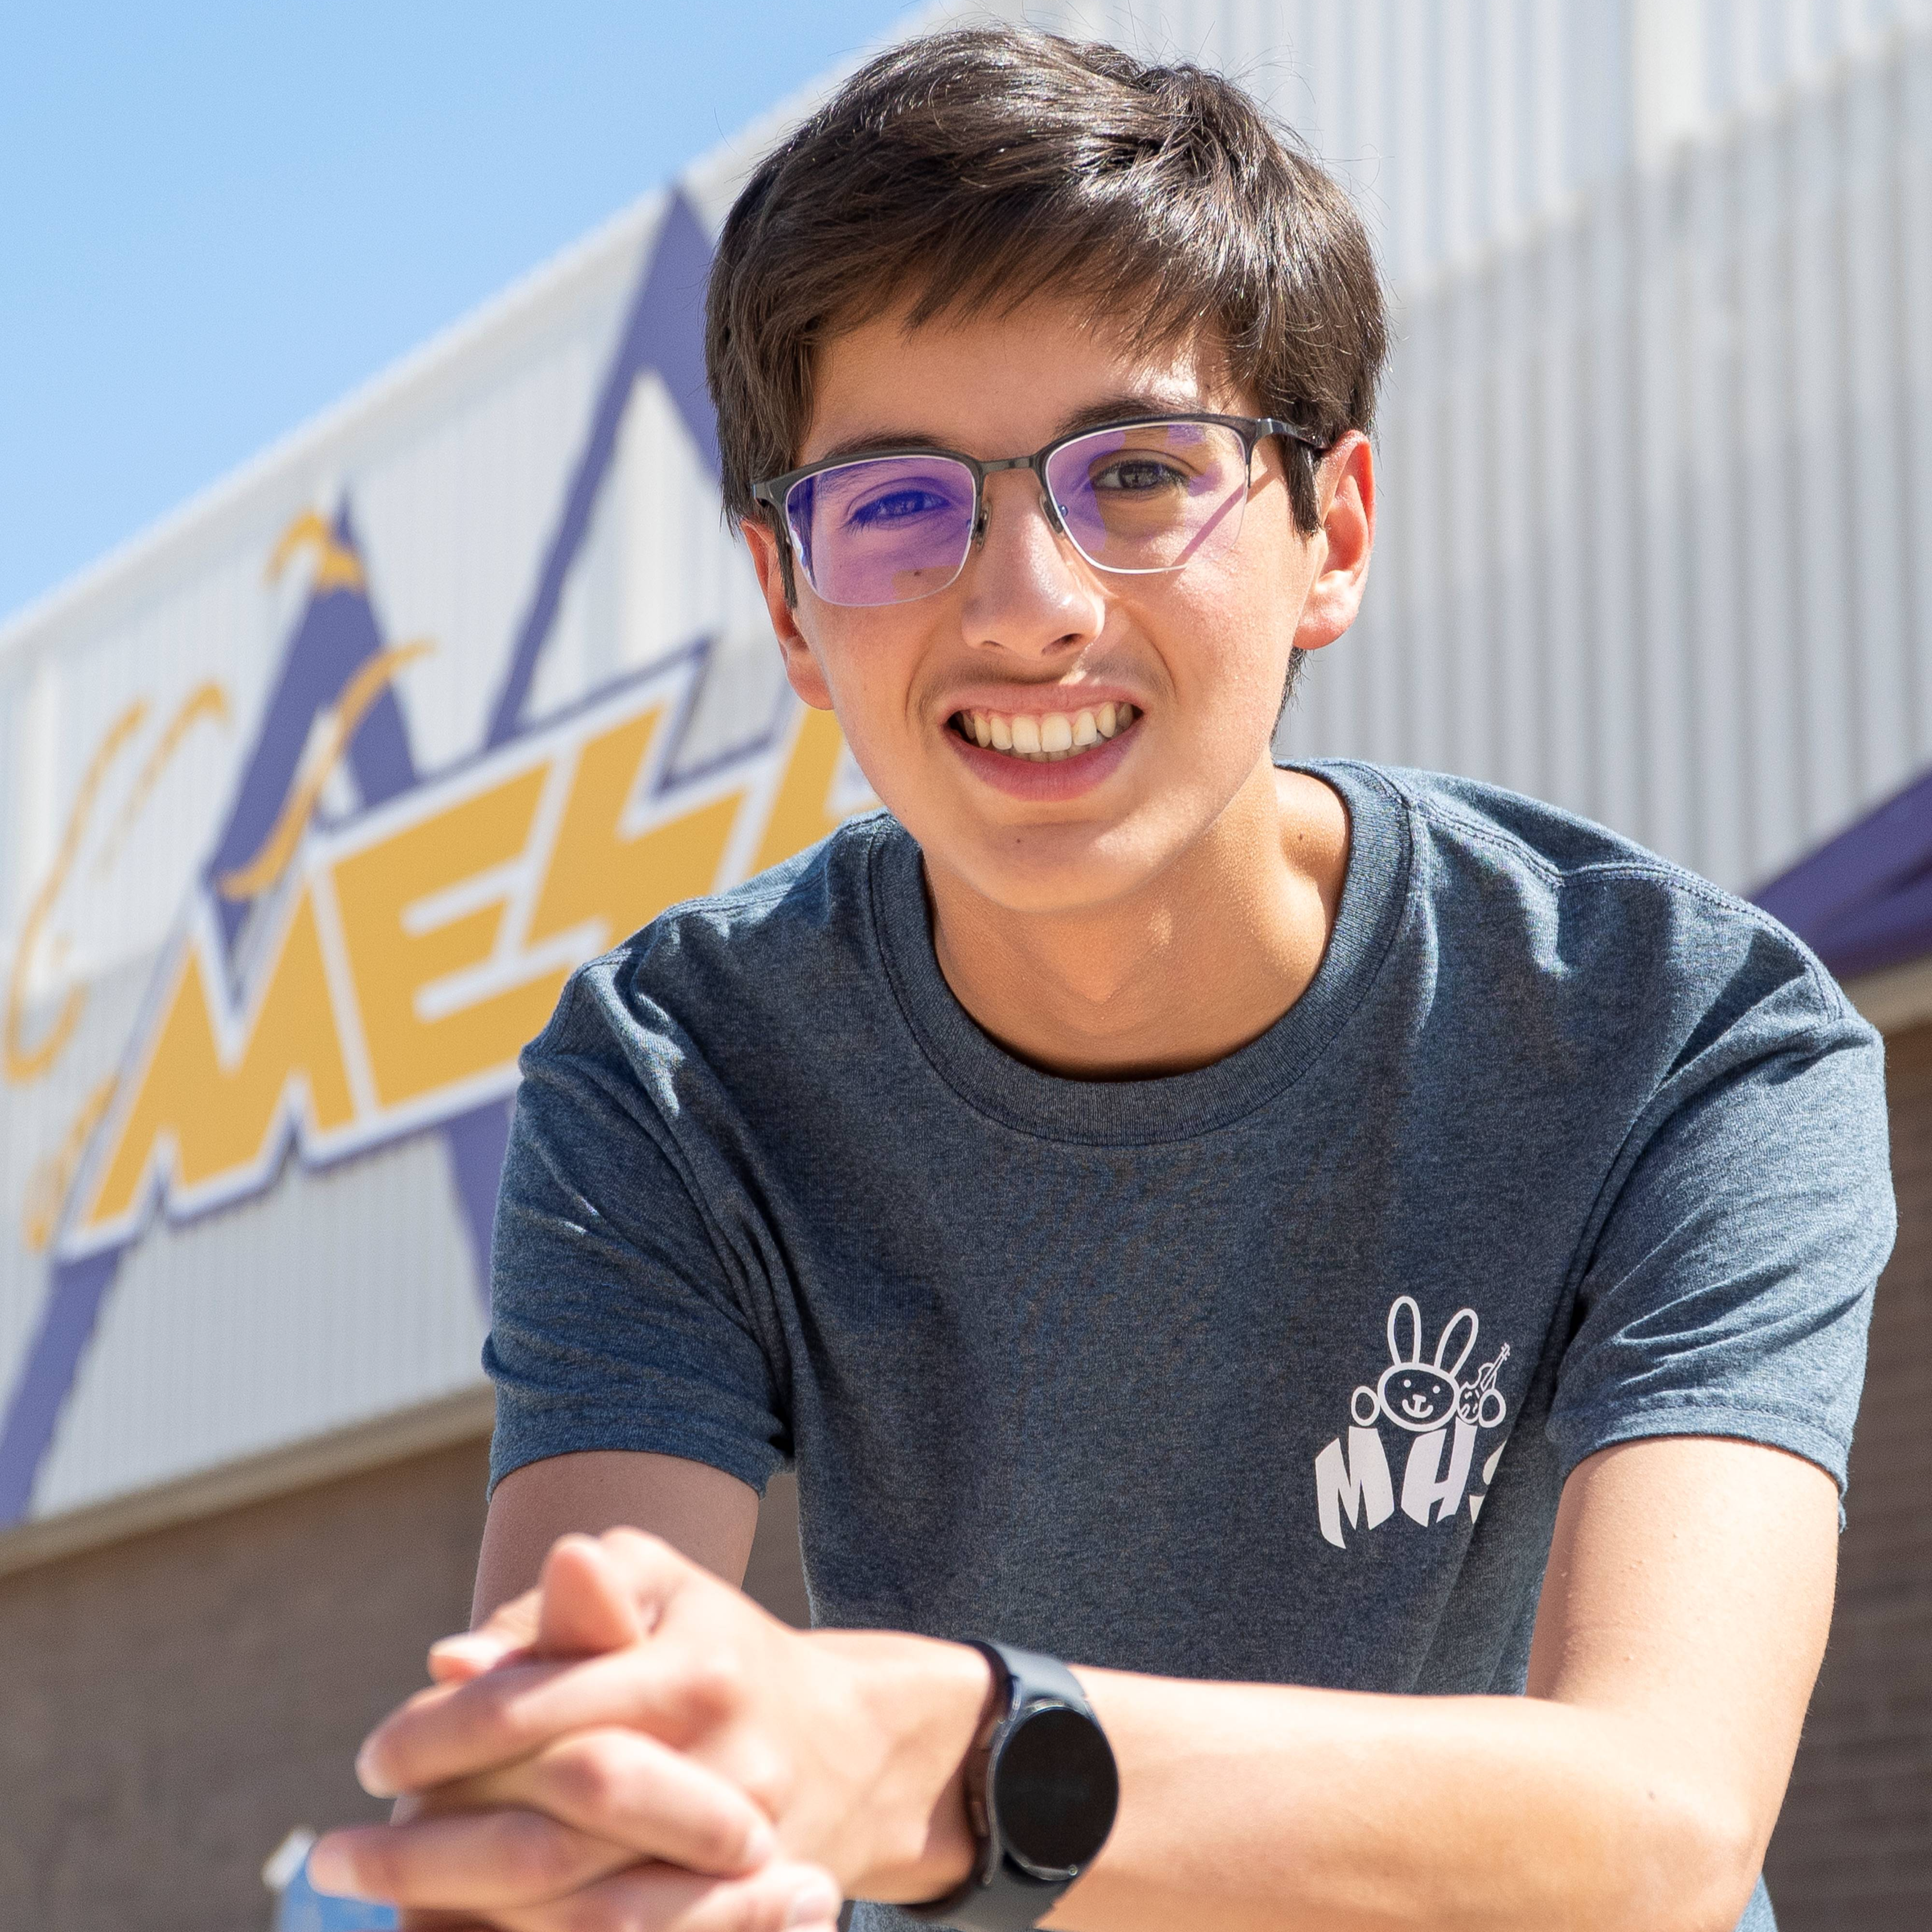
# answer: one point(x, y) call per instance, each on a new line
point(302, 1909)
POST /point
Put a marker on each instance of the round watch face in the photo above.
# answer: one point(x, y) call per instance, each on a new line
point(1054, 1790)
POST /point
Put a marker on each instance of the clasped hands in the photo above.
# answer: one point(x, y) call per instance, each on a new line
point(634, 1746)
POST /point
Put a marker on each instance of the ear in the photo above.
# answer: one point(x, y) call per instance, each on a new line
point(801, 661)
point(1346, 489)
point(1456, 1321)
point(1401, 1303)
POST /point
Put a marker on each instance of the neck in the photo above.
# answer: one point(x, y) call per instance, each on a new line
point(1199, 962)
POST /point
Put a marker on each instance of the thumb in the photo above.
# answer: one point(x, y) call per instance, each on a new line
point(596, 1594)
point(586, 1607)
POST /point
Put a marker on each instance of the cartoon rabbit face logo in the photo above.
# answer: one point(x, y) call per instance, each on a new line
point(1419, 1395)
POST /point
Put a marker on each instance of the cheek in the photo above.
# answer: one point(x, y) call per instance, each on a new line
point(1229, 638)
point(868, 667)
point(866, 662)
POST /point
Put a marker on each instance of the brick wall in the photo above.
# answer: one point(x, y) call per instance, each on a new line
point(176, 1702)
point(1853, 1851)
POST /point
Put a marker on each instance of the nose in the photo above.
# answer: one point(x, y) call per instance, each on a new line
point(1028, 591)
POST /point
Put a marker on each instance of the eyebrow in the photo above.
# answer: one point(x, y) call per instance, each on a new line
point(1117, 408)
point(1110, 409)
point(880, 442)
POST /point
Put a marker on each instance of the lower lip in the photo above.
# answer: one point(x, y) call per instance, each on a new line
point(1045, 780)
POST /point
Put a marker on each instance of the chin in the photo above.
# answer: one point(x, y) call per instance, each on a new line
point(1047, 882)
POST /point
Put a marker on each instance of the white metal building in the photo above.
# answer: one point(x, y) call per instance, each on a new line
point(1659, 489)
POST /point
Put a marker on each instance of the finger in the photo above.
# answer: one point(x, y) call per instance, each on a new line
point(782, 1898)
point(587, 1607)
point(456, 1731)
point(628, 1790)
point(474, 1862)
point(509, 1629)
point(456, 1660)
point(644, 1570)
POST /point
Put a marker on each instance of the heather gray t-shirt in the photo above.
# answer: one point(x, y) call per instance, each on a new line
point(1272, 1371)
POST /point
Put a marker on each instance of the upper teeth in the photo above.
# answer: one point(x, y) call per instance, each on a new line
point(1045, 735)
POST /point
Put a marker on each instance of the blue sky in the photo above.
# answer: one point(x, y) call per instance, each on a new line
point(216, 217)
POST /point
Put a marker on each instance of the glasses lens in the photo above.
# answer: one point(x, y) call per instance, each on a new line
point(1151, 497)
point(886, 529)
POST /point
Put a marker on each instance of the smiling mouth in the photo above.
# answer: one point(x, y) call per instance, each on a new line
point(1044, 738)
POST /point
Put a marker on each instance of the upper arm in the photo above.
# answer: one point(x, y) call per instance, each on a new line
point(633, 1342)
point(1690, 1589)
point(708, 1515)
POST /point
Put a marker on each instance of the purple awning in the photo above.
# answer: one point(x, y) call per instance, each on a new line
point(1863, 901)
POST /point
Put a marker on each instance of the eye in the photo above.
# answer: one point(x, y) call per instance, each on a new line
point(1135, 472)
point(895, 506)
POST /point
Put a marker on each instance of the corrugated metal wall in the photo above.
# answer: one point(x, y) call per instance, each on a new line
point(1456, 122)
point(1658, 453)
point(1658, 504)
point(1452, 123)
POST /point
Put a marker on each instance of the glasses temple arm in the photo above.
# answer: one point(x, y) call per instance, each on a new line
point(1295, 433)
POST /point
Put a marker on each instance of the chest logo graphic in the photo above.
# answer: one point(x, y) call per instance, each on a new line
point(1434, 1406)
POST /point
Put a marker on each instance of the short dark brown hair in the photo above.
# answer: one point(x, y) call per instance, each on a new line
point(971, 169)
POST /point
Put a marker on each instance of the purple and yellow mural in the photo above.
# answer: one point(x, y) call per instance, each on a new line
point(339, 982)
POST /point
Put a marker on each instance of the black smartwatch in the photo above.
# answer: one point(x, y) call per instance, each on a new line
point(1041, 1794)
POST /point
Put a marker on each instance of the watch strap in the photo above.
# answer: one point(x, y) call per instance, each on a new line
point(1033, 1678)
point(999, 1895)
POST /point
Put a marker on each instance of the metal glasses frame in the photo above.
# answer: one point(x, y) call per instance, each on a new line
point(774, 489)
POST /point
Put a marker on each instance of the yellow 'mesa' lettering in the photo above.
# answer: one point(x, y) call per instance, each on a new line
point(409, 1054)
point(215, 1117)
point(597, 873)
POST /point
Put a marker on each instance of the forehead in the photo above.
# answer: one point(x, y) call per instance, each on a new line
point(999, 384)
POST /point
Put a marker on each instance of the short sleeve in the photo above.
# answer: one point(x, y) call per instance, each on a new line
point(1729, 1289)
point(615, 1323)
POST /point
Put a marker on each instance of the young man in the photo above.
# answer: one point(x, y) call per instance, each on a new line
point(1321, 1251)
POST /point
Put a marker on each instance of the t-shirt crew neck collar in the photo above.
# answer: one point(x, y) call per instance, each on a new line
point(1140, 1112)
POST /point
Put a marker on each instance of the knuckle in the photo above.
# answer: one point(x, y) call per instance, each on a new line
point(589, 1775)
point(536, 1857)
point(719, 1834)
point(498, 1718)
point(710, 1835)
point(745, 1907)
point(715, 1682)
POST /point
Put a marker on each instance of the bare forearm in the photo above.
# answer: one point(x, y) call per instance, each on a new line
point(709, 1515)
point(1259, 1806)
point(1252, 1805)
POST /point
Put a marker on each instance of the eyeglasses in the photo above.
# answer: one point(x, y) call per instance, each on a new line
point(1134, 497)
